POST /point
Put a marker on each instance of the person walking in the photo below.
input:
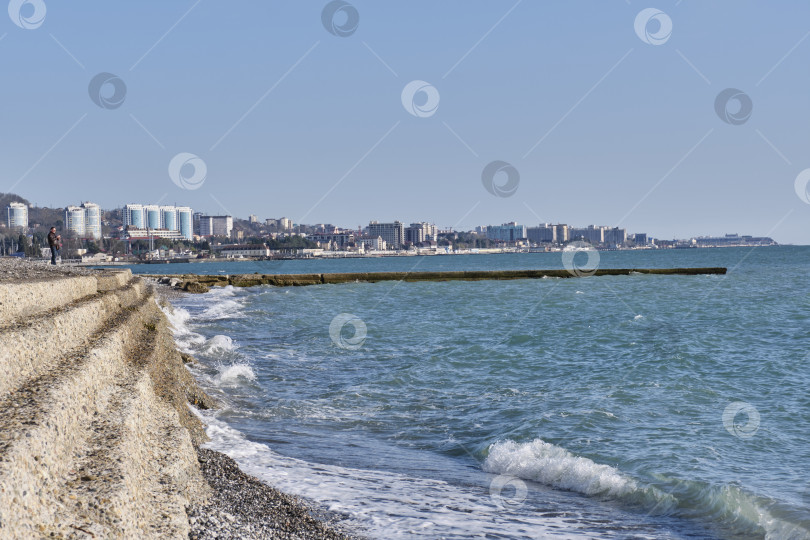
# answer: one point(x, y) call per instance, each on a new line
point(53, 243)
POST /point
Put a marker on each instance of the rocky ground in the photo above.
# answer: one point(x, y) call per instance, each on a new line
point(242, 507)
point(15, 269)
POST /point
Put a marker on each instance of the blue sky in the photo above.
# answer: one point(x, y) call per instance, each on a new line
point(292, 120)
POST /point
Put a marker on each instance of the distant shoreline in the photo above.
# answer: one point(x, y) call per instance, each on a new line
point(347, 255)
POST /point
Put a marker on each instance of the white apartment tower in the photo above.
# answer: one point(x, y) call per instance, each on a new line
point(17, 215)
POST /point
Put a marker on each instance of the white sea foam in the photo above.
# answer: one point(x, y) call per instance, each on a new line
point(552, 465)
point(235, 373)
point(223, 309)
point(637, 317)
point(219, 344)
point(184, 336)
point(385, 504)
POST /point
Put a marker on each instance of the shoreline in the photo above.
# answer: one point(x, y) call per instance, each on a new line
point(242, 506)
point(97, 439)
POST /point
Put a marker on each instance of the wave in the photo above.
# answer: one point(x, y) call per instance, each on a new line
point(223, 309)
point(235, 373)
point(387, 505)
point(552, 465)
point(728, 505)
point(219, 344)
point(184, 336)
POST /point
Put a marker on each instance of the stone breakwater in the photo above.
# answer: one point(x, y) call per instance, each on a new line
point(197, 283)
point(96, 436)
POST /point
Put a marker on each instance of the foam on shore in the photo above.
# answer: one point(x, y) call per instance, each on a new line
point(386, 504)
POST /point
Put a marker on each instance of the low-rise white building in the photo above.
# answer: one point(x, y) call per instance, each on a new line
point(373, 244)
point(144, 234)
point(96, 258)
point(245, 250)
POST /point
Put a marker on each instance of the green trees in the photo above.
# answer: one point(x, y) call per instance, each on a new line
point(291, 242)
point(23, 245)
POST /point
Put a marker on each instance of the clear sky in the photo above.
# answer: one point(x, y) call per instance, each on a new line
point(604, 120)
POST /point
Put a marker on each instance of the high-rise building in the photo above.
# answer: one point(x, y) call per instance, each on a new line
point(152, 214)
point(615, 236)
point(168, 218)
point(92, 220)
point(185, 222)
point(196, 221)
point(160, 218)
point(17, 215)
point(640, 239)
point(74, 221)
point(84, 221)
point(591, 234)
point(285, 223)
point(392, 233)
point(420, 232)
point(508, 232)
point(544, 234)
point(561, 233)
point(216, 225)
point(253, 218)
point(133, 216)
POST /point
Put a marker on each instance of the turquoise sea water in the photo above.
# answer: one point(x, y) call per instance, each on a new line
point(619, 407)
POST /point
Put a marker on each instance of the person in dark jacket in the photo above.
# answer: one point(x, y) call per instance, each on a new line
point(53, 243)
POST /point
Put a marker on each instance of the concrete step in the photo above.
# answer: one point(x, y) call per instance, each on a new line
point(113, 279)
point(20, 300)
point(46, 421)
point(35, 344)
point(137, 470)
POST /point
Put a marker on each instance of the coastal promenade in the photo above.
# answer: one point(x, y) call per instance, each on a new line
point(97, 439)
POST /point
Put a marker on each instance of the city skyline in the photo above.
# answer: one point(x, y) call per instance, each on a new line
point(573, 119)
point(185, 227)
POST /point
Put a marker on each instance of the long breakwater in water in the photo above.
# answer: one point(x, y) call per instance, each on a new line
point(202, 283)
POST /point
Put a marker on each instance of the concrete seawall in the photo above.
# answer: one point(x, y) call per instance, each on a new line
point(96, 436)
point(202, 283)
point(95, 433)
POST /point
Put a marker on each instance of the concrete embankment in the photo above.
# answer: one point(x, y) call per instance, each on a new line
point(197, 283)
point(96, 436)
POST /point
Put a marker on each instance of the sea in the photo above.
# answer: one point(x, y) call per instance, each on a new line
point(633, 406)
